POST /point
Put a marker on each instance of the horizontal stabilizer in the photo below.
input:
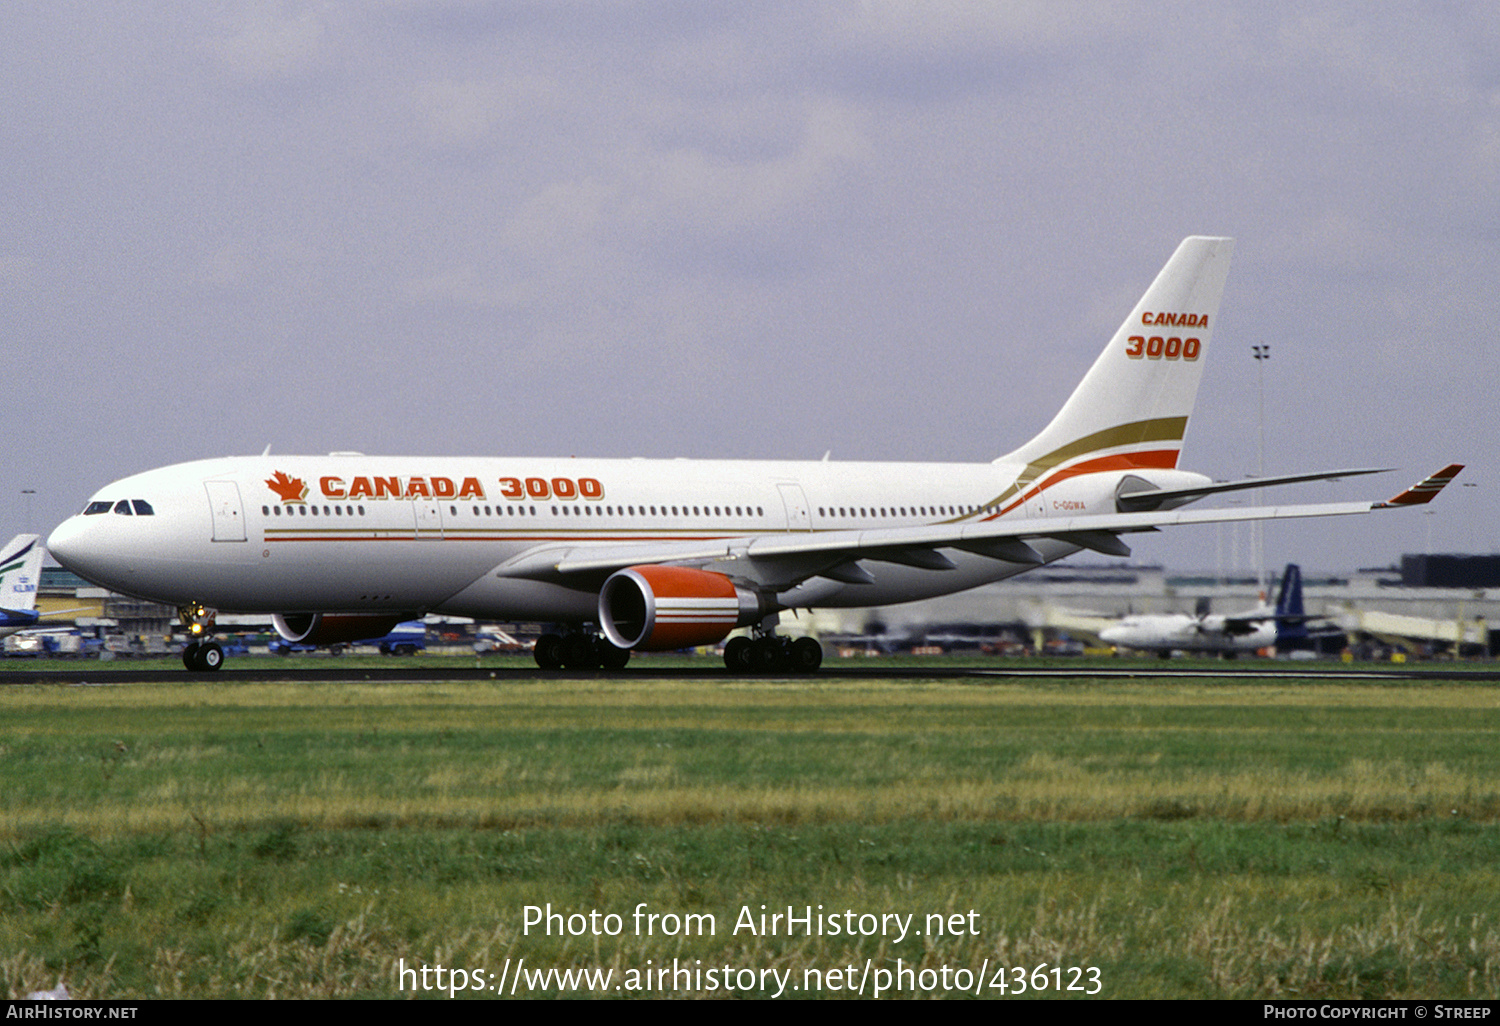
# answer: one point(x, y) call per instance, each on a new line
point(1145, 499)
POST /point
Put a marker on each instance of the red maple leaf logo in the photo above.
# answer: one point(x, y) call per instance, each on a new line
point(291, 489)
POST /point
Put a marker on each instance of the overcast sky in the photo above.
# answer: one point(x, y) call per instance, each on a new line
point(760, 229)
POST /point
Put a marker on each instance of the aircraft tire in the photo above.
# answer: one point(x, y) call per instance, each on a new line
point(549, 652)
point(767, 655)
point(578, 653)
point(609, 656)
point(807, 655)
point(208, 658)
point(190, 655)
point(737, 654)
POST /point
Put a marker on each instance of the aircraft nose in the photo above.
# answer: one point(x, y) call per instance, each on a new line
point(69, 545)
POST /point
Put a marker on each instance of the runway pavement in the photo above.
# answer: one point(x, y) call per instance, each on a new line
point(242, 671)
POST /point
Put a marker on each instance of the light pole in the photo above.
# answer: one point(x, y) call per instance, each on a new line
point(1262, 354)
point(28, 492)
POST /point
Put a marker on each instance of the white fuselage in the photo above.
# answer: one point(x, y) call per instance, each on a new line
point(351, 533)
point(1178, 632)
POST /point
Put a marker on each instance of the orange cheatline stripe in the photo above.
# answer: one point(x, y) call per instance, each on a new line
point(1159, 459)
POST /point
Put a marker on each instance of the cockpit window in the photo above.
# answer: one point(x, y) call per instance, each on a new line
point(123, 507)
point(95, 508)
point(142, 508)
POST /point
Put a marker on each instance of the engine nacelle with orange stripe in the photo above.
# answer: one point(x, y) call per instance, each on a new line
point(661, 608)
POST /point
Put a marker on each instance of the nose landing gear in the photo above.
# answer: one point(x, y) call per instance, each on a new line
point(202, 654)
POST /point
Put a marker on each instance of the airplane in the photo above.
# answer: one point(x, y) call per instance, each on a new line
point(1205, 632)
point(20, 572)
point(657, 555)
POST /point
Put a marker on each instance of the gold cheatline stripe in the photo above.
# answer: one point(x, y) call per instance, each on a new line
point(1163, 429)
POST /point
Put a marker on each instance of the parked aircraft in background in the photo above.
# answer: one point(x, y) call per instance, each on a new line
point(666, 554)
point(20, 573)
point(1266, 627)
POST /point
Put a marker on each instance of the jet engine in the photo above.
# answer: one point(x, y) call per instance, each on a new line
point(334, 628)
point(660, 608)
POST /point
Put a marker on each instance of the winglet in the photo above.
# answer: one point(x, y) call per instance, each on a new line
point(1425, 490)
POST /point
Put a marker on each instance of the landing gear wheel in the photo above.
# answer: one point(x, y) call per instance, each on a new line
point(806, 655)
point(609, 656)
point(768, 654)
point(737, 654)
point(210, 657)
point(190, 655)
point(548, 652)
point(578, 653)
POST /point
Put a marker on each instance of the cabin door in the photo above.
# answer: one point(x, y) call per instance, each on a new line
point(228, 516)
point(798, 518)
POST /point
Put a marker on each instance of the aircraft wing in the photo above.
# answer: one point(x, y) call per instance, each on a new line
point(1250, 624)
point(785, 558)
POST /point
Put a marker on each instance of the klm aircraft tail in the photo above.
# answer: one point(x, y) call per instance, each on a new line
point(1132, 407)
point(20, 573)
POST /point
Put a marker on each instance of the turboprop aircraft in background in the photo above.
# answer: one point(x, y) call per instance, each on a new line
point(666, 554)
point(1205, 632)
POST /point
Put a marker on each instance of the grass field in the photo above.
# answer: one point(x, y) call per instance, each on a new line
point(1184, 839)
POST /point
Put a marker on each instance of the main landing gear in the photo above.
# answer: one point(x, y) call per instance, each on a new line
point(764, 653)
point(202, 654)
point(771, 653)
point(579, 650)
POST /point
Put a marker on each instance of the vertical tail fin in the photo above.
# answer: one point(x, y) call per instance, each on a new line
point(1135, 401)
point(1291, 617)
point(20, 572)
